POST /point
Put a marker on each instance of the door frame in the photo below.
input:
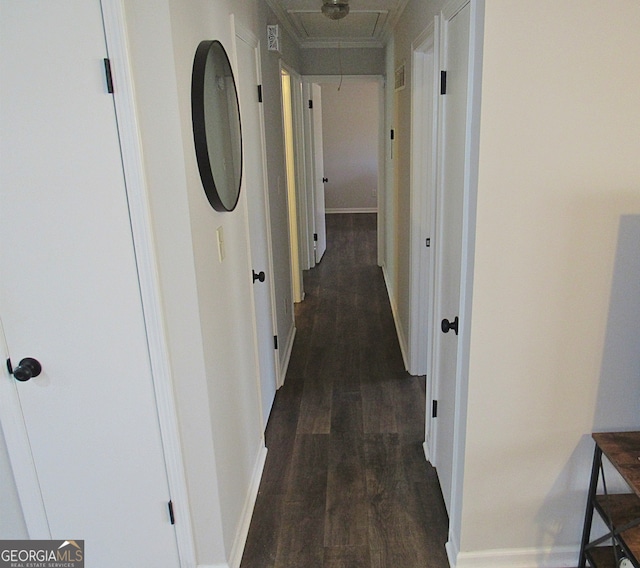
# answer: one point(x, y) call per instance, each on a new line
point(297, 209)
point(476, 42)
point(380, 80)
point(244, 34)
point(472, 144)
point(146, 262)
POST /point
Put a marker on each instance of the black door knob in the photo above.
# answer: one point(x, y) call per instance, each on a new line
point(27, 369)
point(447, 325)
point(260, 276)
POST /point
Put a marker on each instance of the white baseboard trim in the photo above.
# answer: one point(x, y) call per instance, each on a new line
point(332, 210)
point(452, 552)
point(247, 511)
point(556, 557)
point(286, 356)
point(225, 565)
point(427, 452)
point(394, 310)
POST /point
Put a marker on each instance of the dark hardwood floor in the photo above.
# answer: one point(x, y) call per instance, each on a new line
point(346, 483)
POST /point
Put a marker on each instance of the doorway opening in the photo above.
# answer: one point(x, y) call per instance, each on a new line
point(344, 151)
point(291, 179)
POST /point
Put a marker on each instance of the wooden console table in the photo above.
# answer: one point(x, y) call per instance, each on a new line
point(620, 547)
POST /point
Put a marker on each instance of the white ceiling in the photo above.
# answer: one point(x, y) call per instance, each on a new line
point(368, 24)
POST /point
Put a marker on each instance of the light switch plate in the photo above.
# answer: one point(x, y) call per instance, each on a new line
point(220, 237)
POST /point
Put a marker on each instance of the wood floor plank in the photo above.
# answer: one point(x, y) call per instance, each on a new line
point(307, 480)
point(396, 532)
point(435, 519)
point(315, 409)
point(410, 404)
point(261, 549)
point(414, 465)
point(346, 412)
point(378, 404)
point(346, 518)
point(383, 463)
point(301, 536)
point(347, 557)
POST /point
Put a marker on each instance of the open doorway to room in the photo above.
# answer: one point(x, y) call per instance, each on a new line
point(289, 81)
point(348, 155)
point(350, 117)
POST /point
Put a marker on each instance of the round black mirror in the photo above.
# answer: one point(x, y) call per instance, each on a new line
point(217, 134)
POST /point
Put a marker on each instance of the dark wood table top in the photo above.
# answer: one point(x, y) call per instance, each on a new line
point(623, 451)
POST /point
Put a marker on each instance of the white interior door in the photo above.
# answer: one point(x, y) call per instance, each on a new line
point(70, 297)
point(258, 207)
point(453, 121)
point(320, 232)
point(423, 199)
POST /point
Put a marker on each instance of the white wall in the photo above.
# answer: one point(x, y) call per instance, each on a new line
point(350, 119)
point(207, 303)
point(343, 61)
point(229, 407)
point(556, 321)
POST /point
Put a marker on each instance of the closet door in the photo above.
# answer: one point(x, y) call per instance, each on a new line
point(453, 122)
point(83, 435)
point(320, 234)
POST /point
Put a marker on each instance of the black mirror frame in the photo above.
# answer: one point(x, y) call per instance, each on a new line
point(199, 125)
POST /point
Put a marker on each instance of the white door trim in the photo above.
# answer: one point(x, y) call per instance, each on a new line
point(476, 41)
point(472, 135)
point(289, 114)
point(137, 194)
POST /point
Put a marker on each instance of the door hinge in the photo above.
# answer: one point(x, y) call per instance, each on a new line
point(434, 409)
point(315, 236)
point(108, 75)
point(171, 515)
point(259, 93)
point(428, 242)
point(275, 341)
point(392, 134)
point(443, 82)
point(310, 103)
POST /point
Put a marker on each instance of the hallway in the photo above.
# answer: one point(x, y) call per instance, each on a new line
point(346, 483)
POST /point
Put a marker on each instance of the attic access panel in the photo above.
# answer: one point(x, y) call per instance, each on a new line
point(312, 25)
